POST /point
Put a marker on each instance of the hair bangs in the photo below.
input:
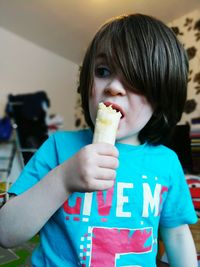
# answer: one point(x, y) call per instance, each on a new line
point(121, 54)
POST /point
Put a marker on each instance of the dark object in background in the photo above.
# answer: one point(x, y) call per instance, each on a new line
point(180, 142)
point(29, 112)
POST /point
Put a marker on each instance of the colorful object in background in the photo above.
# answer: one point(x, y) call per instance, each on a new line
point(193, 182)
point(5, 128)
point(3, 192)
point(195, 144)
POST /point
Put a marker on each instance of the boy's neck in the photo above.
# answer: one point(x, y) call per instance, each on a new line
point(130, 140)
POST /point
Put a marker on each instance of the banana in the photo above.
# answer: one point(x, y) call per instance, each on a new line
point(106, 124)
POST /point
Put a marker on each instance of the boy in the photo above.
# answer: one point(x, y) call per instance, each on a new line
point(99, 204)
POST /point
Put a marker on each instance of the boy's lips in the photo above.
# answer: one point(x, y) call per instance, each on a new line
point(116, 107)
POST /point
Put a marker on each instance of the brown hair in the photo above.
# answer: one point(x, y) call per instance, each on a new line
point(151, 59)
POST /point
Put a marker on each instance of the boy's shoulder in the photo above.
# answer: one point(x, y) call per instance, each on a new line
point(71, 133)
point(163, 159)
point(84, 136)
point(163, 148)
point(162, 151)
point(64, 143)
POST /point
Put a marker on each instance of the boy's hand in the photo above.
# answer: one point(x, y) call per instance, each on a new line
point(93, 168)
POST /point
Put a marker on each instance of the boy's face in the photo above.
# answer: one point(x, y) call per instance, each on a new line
point(108, 88)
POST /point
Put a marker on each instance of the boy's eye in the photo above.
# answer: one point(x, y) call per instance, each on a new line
point(102, 72)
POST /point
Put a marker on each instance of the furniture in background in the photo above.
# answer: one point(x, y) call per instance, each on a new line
point(195, 144)
point(7, 152)
point(180, 142)
point(28, 112)
point(185, 141)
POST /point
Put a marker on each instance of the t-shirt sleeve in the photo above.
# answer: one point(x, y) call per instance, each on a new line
point(44, 160)
point(178, 208)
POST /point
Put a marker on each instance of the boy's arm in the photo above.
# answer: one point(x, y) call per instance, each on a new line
point(24, 215)
point(179, 246)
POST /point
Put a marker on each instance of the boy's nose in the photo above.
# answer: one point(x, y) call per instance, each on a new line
point(114, 88)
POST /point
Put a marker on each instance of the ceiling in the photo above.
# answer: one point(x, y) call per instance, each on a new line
point(65, 27)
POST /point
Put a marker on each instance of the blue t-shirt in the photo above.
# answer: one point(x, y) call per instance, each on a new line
point(115, 227)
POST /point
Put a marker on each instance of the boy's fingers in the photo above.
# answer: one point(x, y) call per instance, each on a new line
point(106, 174)
point(103, 185)
point(107, 149)
point(109, 162)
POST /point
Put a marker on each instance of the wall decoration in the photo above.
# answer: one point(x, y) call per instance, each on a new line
point(187, 29)
point(79, 116)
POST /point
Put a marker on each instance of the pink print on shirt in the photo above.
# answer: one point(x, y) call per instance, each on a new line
point(108, 244)
point(113, 245)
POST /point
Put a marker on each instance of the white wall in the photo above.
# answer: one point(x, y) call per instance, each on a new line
point(26, 67)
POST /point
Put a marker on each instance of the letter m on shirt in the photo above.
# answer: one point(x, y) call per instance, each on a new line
point(151, 200)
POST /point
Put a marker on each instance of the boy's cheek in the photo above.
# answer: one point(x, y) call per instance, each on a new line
point(93, 110)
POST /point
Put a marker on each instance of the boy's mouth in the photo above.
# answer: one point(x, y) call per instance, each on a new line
point(116, 107)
